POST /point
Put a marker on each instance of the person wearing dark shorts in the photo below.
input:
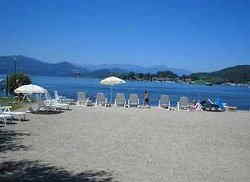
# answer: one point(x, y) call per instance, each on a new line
point(146, 98)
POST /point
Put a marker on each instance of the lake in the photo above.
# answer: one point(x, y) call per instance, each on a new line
point(69, 86)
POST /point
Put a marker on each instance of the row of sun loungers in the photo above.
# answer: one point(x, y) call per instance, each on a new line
point(60, 103)
point(101, 100)
point(134, 101)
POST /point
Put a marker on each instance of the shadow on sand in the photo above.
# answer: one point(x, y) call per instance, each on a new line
point(10, 140)
point(26, 171)
point(38, 171)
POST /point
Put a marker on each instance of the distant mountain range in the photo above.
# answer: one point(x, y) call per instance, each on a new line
point(240, 73)
point(36, 67)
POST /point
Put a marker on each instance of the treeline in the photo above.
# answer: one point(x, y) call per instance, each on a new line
point(236, 74)
point(161, 76)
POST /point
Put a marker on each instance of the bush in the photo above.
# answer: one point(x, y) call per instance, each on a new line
point(16, 80)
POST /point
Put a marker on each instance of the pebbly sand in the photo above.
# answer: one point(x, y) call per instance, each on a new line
point(141, 144)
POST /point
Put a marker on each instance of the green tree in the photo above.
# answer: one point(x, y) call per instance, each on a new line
point(168, 74)
point(16, 80)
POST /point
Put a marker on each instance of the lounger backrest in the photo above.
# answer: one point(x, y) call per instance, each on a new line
point(47, 96)
point(56, 95)
point(100, 99)
point(133, 99)
point(184, 101)
point(164, 100)
point(120, 99)
point(81, 96)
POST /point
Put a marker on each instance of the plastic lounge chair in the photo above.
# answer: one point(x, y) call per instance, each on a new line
point(4, 118)
point(62, 99)
point(44, 110)
point(196, 107)
point(133, 100)
point(120, 100)
point(17, 115)
point(221, 104)
point(81, 99)
point(164, 102)
point(101, 99)
point(54, 104)
point(184, 104)
point(209, 106)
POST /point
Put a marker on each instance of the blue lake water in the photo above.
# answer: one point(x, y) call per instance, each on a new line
point(68, 86)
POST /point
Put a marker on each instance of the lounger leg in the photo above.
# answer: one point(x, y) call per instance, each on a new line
point(5, 121)
point(23, 118)
point(178, 106)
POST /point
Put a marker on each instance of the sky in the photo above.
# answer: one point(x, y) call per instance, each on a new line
point(197, 35)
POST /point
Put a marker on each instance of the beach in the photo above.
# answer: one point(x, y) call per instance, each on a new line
point(140, 144)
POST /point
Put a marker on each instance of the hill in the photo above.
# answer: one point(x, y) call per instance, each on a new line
point(235, 74)
point(136, 68)
point(36, 67)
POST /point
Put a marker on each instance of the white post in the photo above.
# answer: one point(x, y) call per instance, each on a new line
point(111, 90)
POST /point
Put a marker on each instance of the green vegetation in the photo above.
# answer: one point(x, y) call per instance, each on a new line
point(10, 101)
point(160, 76)
point(236, 74)
point(16, 80)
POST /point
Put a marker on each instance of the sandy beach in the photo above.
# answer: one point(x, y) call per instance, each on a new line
point(135, 145)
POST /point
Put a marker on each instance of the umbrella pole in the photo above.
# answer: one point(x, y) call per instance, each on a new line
point(111, 94)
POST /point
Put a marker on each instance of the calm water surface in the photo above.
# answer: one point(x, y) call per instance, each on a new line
point(68, 86)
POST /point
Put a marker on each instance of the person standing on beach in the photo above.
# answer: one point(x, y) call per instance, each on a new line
point(146, 98)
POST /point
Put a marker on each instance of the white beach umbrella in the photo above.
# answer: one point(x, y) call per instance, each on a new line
point(30, 89)
point(111, 81)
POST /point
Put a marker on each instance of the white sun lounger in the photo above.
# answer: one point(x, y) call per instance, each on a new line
point(81, 99)
point(101, 99)
point(54, 104)
point(17, 115)
point(184, 104)
point(133, 100)
point(120, 100)
point(62, 99)
point(4, 117)
point(164, 102)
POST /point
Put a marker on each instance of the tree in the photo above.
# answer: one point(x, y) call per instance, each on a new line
point(16, 80)
point(166, 74)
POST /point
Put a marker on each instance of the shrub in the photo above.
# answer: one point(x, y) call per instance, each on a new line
point(16, 80)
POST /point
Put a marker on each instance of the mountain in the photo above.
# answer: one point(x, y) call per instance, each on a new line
point(136, 68)
point(36, 67)
point(236, 74)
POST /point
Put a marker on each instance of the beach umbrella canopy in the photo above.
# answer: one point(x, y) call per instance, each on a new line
point(111, 81)
point(30, 89)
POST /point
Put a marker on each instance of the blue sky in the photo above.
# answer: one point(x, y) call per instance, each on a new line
point(198, 35)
